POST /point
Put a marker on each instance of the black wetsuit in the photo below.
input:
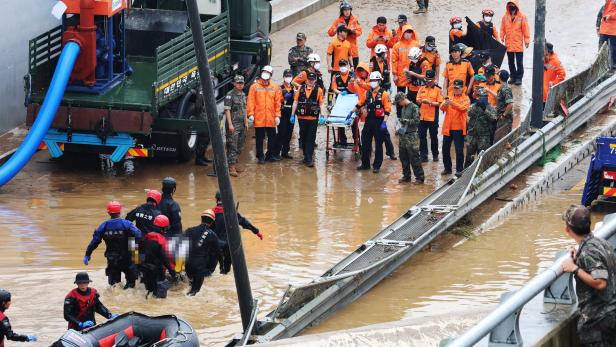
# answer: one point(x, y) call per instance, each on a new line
point(80, 307)
point(7, 331)
point(171, 209)
point(203, 255)
point(221, 232)
point(144, 216)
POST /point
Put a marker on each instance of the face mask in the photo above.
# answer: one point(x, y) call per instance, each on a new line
point(414, 61)
point(487, 19)
point(457, 26)
point(407, 36)
point(317, 66)
point(429, 48)
point(344, 69)
point(374, 84)
point(288, 79)
point(265, 76)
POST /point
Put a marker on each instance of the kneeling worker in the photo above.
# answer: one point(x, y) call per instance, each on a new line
point(81, 303)
point(5, 325)
point(204, 251)
point(409, 140)
point(156, 258)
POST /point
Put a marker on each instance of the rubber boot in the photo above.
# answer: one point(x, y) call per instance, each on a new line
point(233, 171)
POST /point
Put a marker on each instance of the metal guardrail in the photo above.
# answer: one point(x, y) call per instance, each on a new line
point(516, 301)
point(305, 305)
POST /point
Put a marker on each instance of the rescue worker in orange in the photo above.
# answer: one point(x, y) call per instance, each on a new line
point(307, 106)
point(455, 106)
point(608, 27)
point(359, 84)
point(347, 19)
point(263, 110)
point(515, 35)
point(429, 51)
point(400, 56)
point(456, 33)
point(554, 72)
point(486, 25)
point(457, 69)
point(429, 99)
point(314, 65)
point(380, 63)
point(397, 32)
point(379, 35)
point(415, 73)
point(82, 302)
point(378, 108)
point(339, 48)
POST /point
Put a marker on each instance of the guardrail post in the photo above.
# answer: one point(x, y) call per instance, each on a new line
point(561, 290)
point(507, 333)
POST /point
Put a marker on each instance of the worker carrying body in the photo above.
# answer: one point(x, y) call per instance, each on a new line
point(263, 109)
point(5, 324)
point(554, 72)
point(409, 141)
point(480, 117)
point(287, 119)
point(378, 107)
point(156, 258)
point(308, 106)
point(237, 123)
point(347, 19)
point(144, 215)
point(221, 232)
point(204, 251)
point(170, 207)
point(116, 232)
point(81, 303)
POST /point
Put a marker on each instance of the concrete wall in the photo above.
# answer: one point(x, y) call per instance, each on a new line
point(21, 20)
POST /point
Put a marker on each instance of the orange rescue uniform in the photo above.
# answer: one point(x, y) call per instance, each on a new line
point(514, 30)
point(400, 56)
point(608, 27)
point(373, 39)
point(264, 102)
point(352, 24)
point(339, 50)
point(308, 94)
point(553, 72)
point(455, 114)
point(462, 70)
point(493, 87)
point(427, 112)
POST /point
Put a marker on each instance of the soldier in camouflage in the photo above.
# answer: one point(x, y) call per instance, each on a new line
point(409, 140)
point(235, 112)
point(298, 55)
point(594, 268)
point(504, 107)
point(480, 117)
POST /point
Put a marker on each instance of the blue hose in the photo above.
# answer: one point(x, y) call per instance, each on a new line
point(45, 116)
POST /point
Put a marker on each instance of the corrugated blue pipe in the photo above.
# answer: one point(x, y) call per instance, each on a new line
point(45, 116)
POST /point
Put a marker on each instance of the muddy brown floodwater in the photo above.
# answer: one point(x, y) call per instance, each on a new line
point(311, 218)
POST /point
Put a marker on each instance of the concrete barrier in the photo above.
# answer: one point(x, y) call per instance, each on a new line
point(305, 11)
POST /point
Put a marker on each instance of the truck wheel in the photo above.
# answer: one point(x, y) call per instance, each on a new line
point(187, 138)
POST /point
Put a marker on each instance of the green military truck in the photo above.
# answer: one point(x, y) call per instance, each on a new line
point(154, 109)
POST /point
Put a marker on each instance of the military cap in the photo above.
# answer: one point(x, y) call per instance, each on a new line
point(301, 36)
point(238, 79)
point(430, 74)
point(311, 75)
point(458, 84)
point(490, 70)
point(399, 97)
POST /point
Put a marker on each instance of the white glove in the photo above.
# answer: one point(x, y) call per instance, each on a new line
point(251, 120)
point(277, 121)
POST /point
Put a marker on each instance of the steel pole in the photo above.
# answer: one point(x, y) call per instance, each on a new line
point(536, 120)
point(240, 271)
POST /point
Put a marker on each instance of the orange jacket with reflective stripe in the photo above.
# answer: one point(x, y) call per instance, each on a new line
point(427, 112)
point(373, 39)
point(514, 30)
point(264, 103)
point(353, 25)
point(553, 72)
point(608, 27)
point(400, 56)
point(455, 114)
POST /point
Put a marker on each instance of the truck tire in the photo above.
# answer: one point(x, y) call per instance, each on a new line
point(187, 138)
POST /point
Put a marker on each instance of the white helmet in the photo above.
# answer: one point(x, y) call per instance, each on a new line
point(380, 48)
point(313, 57)
point(414, 53)
point(268, 68)
point(375, 75)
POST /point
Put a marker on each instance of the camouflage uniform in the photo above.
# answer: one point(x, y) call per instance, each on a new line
point(298, 59)
point(504, 98)
point(597, 323)
point(408, 149)
point(235, 101)
point(478, 133)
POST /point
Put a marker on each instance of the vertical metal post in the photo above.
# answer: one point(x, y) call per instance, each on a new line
point(536, 120)
point(240, 272)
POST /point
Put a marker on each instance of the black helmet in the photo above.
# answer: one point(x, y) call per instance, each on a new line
point(5, 295)
point(345, 5)
point(82, 277)
point(168, 184)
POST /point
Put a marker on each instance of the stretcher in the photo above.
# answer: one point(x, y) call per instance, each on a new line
point(342, 118)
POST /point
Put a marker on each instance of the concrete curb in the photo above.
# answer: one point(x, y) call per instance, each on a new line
point(299, 14)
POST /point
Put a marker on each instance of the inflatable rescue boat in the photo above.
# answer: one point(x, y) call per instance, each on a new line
point(133, 329)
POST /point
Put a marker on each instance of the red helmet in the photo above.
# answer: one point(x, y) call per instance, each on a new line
point(114, 207)
point(455, 19)
point(154, 195)
point(161, 221)
point(209, 213)
point(488, 12)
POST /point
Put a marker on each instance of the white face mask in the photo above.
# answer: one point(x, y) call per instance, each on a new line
point(374, 84)
point(457, 26)
point(487, 19)
point(288, 79)
point(265, 76)
point(344, 69)
point(317, 66)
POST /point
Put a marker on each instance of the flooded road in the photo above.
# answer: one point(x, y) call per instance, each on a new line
point(311, 218)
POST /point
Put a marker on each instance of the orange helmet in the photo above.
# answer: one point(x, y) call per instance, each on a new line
point(488, 12)
point(209, 213)
point(455, 19)
point(114, 207)
point(154, 195)
point(161, 221)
